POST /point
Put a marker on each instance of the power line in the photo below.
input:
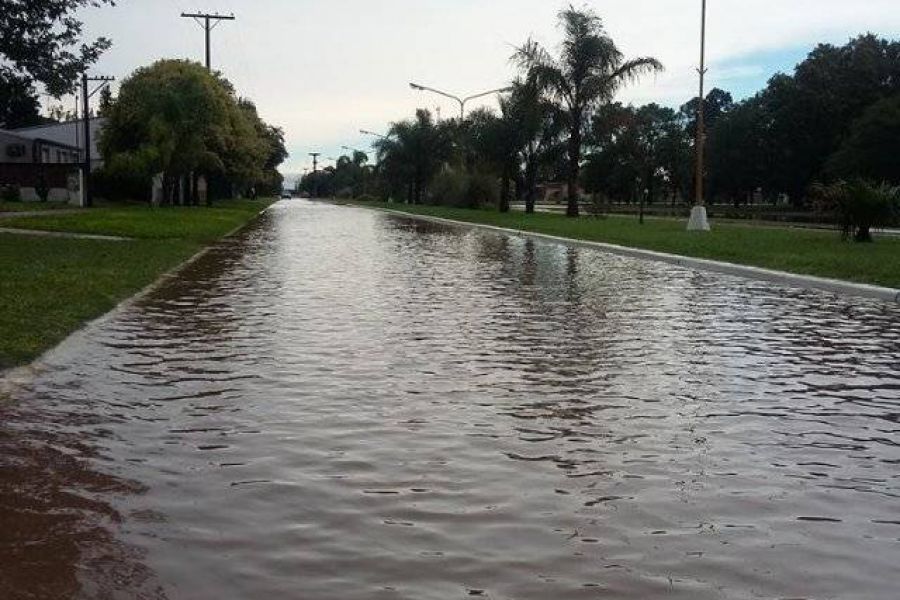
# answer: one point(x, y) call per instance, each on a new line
point(208, 22)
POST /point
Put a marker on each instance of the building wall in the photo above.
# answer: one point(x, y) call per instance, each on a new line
point(14, 149)
point(29, 164)
point(70, 133)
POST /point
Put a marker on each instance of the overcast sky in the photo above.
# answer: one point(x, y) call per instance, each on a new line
point(323, 69)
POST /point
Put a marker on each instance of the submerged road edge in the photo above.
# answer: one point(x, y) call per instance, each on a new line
point(837, 286)
point(15, 377)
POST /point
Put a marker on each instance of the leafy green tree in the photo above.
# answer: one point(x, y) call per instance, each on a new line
point(266, 151)
point(539, 129)
point(859, 205)
point(810, 113)
point(636, 153)
point(612, 166)
point(19, 105)
point(414, 152)
point(739, 152)
point(589, 70)
point(106, 100)
point(176, 118)
point(717, 103)
point(872, 148)
point(497, 142)
point(39, 43)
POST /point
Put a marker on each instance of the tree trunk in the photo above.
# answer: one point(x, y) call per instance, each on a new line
point(504, 191)
point(417, 192)
point(640, 193)
point(166, 190)
point(863, 234)
point(574, 161)
point(530, 185)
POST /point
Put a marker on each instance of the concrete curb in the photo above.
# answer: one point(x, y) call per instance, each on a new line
point(64, 235)
point(837, 286)
point(19, 376)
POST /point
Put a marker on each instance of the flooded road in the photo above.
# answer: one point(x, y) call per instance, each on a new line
point(342, 404)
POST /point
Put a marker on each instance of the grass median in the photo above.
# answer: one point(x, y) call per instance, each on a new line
point(52, 285)
point(795, 250)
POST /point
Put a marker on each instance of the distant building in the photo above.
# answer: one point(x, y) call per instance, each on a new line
point(35, 164)
point(70, 133)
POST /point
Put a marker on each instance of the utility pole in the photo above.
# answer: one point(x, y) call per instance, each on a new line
point(208, 22)
point(699, 221)
point(315, 157)
point(87, 195)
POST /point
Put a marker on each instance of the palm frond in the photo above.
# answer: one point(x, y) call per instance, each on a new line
point(631, 70)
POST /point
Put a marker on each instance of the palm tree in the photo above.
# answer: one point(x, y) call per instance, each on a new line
point(589, 71)
point(414, 152)
point(538, 123)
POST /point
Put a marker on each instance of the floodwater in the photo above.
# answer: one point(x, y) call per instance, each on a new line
point(342, 404)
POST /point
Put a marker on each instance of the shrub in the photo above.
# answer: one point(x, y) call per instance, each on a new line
point(449, 189)
point(366, 198)
point(10, 193)
point(461, 190)
point(860, 206)
point(41, 188)
point(482, 191)
point(598, 205)
point(122, 179)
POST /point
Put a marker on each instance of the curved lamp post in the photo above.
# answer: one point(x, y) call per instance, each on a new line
point(462, 101)
point(372, 133)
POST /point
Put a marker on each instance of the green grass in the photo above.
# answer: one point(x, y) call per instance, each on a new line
point(51, 286)
point(13, 207)
point(199, 224)
point(804, 251)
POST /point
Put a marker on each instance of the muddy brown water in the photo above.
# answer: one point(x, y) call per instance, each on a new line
point(343, 404)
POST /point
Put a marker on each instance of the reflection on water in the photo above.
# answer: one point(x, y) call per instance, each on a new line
point(342, 404)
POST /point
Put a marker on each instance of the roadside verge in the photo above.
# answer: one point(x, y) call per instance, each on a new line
point(53, 286)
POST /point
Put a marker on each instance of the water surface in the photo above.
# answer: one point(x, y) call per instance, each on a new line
point(342, 404)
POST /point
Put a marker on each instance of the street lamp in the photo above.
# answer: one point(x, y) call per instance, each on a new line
point(372, 133)
point(462, 101)
point(699, 221)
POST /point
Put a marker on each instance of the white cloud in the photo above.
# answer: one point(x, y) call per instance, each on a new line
point(323, 69)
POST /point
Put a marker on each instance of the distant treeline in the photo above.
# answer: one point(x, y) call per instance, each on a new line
point(836, 117)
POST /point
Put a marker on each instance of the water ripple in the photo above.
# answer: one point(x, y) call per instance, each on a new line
point(342, 404)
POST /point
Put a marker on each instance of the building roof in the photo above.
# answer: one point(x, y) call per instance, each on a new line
point(25, 137)
point(93, 120)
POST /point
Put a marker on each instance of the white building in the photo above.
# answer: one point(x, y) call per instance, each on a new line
point(70, 133)
point(37, 167)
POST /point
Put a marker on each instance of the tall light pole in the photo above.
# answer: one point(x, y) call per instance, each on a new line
point(699, 220)
point(462, 101)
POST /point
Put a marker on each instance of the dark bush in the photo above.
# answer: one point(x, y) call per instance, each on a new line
point(860, 206)
point(10, 193)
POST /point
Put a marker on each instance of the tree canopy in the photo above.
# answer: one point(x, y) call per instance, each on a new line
point(176, 118)
point(40, 42)
point(588, 72)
